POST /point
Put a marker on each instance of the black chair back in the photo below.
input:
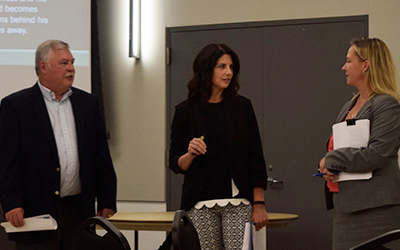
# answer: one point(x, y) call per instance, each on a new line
point(378, 242)
point(86, 238)
point(184, 235)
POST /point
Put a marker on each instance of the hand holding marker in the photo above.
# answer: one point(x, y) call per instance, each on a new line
point(202, 138)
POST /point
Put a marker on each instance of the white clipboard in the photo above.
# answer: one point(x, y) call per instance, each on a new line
point(353, 134)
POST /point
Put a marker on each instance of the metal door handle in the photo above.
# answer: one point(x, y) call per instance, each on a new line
point(271, 181)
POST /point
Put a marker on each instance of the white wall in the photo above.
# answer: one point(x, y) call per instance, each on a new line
point(135, 90)
point(383, 23)
point(134, 94)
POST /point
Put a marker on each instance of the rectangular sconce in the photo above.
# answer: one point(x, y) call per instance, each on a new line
point(134, 29)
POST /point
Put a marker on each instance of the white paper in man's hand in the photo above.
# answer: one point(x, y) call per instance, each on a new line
point(37, 223)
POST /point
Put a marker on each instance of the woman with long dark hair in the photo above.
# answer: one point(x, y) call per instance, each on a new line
point(215, 143)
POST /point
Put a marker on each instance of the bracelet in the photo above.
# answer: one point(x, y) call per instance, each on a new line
point(258, 202)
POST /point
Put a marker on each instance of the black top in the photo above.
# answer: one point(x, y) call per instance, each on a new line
point(234, 140)
point(217, 185)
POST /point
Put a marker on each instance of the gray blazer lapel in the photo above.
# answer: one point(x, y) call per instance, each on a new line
point(345, 110)
point(364, 108)
point(348, 107)
point(342, 114)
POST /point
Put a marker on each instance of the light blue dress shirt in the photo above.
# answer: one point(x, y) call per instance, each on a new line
point(63, 123)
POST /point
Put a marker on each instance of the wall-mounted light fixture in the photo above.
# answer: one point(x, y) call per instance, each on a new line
point(134, 29)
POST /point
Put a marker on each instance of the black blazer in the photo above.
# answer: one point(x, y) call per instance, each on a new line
point(29, 158)
point(245, 150)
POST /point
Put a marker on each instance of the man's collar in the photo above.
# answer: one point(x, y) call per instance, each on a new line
point(51, 96)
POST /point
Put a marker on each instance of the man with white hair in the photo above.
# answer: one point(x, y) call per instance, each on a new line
point(54, 155)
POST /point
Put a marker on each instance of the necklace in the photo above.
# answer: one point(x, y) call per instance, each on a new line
point(350, 115)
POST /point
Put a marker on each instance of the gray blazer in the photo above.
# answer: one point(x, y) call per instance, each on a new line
point(380, 157)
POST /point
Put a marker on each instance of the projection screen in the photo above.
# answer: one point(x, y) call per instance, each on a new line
point(24, 24)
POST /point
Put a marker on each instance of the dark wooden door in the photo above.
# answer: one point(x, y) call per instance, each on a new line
point(304, 91)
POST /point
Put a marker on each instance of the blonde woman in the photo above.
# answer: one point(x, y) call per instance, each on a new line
point(367, 208)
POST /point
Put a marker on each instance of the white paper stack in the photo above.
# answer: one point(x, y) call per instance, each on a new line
point(254, 240)
point(37, 223)
point(353, 136)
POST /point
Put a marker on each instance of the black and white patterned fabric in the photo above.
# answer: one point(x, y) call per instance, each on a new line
point(221, 227)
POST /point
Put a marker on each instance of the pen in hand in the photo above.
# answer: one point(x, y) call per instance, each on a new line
point(202, 138)
point(321, 174)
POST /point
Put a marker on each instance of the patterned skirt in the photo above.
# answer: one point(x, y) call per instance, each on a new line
point(222, 225)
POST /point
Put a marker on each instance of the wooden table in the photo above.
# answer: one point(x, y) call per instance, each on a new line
point(162, 221)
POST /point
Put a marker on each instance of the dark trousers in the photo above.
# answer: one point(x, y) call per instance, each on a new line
point(70, 216)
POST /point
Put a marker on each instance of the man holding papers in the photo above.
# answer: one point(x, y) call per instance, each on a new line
point(368, 204)
point(54, 156)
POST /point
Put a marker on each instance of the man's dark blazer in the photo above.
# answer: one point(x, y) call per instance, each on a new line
point(29, 163)
point(244, 148)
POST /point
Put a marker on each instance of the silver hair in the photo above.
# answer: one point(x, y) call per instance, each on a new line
point(44, 51)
